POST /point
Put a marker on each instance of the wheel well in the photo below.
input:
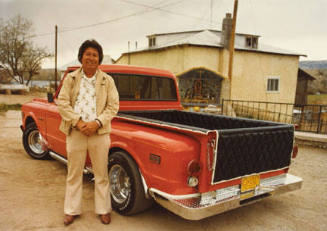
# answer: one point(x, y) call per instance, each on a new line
point(29, 120)
point(117, 149)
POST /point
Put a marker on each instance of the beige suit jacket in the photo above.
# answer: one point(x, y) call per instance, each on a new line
point(107, 101)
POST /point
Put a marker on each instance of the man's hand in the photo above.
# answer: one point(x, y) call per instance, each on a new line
point(80, 124)
point(89, 128)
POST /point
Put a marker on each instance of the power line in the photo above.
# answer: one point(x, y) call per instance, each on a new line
point(105, 22)
point(149, 9)
point(164, 10)
point(40, 35)
point(119, 18)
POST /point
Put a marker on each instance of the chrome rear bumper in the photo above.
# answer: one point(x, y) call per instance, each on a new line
point(199, 206)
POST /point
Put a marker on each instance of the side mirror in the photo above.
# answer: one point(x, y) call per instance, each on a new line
point(50, 97)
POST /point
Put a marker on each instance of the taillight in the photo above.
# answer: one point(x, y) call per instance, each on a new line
point(193, 167)
point(295, 151)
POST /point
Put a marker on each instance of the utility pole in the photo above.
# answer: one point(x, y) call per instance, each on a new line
point(231, 48)
point(56, 39)
point(129, 55)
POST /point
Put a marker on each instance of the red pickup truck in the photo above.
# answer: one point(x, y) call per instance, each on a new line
point(194, 164)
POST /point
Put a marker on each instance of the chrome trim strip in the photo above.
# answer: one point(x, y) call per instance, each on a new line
point(172, 197)
point(145, 186)
point(63, 160)
point(163, 125)
point(58, 157)
point(215, 156)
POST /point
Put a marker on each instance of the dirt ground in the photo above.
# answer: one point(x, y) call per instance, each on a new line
point(32, 195)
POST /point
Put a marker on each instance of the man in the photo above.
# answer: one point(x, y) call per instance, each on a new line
point(87, 102)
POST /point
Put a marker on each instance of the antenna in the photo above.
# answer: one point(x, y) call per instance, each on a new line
point(56, 54)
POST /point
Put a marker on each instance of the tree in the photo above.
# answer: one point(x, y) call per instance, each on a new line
point(18, 55)
point(32, 62)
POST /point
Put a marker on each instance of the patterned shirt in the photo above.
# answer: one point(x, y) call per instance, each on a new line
point(85, 104)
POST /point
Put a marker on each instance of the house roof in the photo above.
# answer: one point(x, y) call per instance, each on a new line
point(210, 38)
point(196, 31)
point(305, 74)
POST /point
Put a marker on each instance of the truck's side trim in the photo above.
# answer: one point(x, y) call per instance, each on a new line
point(145, 186)
point(60, 158)
point(215, 156)
point(166, 124)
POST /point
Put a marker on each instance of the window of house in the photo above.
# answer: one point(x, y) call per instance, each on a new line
point(273, 84)
point(152, 41)
point(254, 42)
point(251, 41)
point(248, 41)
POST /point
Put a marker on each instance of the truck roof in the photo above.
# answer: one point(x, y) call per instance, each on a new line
point(125, 69)
point(127, 105)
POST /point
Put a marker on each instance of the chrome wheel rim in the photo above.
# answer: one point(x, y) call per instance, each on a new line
point(120, 185)
point(35, 142)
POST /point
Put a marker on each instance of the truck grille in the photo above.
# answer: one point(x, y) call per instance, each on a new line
point(249, 151)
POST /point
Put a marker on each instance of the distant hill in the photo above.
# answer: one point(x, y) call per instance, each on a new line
point(321, 64)
point(317, 69)
point(45, 74)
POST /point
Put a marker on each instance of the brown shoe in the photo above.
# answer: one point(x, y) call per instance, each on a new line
point(68, 219)
point(105, 218)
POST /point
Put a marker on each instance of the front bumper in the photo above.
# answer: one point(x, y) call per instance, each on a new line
point(199, 206)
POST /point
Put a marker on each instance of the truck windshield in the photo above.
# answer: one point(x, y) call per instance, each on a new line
point(138, 87)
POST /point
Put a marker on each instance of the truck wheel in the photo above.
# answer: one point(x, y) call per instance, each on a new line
point(32, 142)
point(127, 192)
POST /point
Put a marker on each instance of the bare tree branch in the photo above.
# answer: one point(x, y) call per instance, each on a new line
point(18, 56)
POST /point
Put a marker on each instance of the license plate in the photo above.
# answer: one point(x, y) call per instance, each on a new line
point(250, 183)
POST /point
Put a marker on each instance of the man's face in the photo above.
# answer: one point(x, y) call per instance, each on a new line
point(90, 59)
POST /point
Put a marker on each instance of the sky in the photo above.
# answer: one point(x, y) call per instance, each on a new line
point(294, 25)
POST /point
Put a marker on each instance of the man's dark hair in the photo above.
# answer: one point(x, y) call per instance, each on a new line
point(90, 43)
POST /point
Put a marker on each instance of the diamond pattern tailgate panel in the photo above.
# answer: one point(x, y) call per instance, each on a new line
point(252, 151)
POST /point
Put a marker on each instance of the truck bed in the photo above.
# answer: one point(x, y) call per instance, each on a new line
point(262, 146)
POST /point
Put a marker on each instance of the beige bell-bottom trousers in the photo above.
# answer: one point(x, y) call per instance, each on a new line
point(77, 146)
